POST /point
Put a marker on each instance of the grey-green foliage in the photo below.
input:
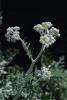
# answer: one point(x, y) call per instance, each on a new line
point(59, 79)
point(5, 72)
point(57, 85)
point(12, 79)
point(34, 88)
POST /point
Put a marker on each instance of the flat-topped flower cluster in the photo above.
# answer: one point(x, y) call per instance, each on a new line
point(47, 32)
point(12, 34)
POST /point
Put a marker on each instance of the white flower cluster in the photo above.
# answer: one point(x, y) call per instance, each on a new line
point(47, 33)
point(45, 73)
point(42, 27)
point(47, 40)
point(13, 34)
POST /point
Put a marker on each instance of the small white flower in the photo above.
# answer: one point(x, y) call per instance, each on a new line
point(10, 29)
point(54, 31)
point(16, 28)
point(46, 25)
point(39, 28)
point(17, 32)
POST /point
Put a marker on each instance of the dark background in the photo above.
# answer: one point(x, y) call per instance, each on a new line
point(26, 14)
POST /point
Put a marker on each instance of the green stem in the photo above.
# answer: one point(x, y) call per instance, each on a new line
point(34, 61)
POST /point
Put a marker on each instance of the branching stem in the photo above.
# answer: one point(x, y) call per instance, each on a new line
point(34, 61)
point(30, 70)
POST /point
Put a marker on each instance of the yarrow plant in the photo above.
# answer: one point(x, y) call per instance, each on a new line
point(46, 83)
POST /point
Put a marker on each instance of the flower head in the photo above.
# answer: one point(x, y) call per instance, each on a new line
point(13, 34)
point(46, 73)
point(54, 31)
point(47, 33)
point(46, 25)
point(47, 40)
point(42, 27)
